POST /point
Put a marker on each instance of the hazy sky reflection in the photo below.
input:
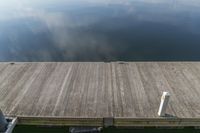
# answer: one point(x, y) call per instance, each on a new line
point(99, 30)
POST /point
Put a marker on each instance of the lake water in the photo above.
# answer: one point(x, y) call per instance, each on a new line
point(99, 30)
point(36, 129)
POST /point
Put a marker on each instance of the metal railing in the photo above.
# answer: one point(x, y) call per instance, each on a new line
point(6, 124)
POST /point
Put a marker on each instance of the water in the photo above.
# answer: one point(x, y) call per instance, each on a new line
point(35, 129)
point(99, 30)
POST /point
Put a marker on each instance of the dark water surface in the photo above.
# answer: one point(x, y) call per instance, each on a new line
point(35, 129)
point(99, 30)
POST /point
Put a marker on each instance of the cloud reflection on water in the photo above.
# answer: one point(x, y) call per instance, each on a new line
point(88, 30)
